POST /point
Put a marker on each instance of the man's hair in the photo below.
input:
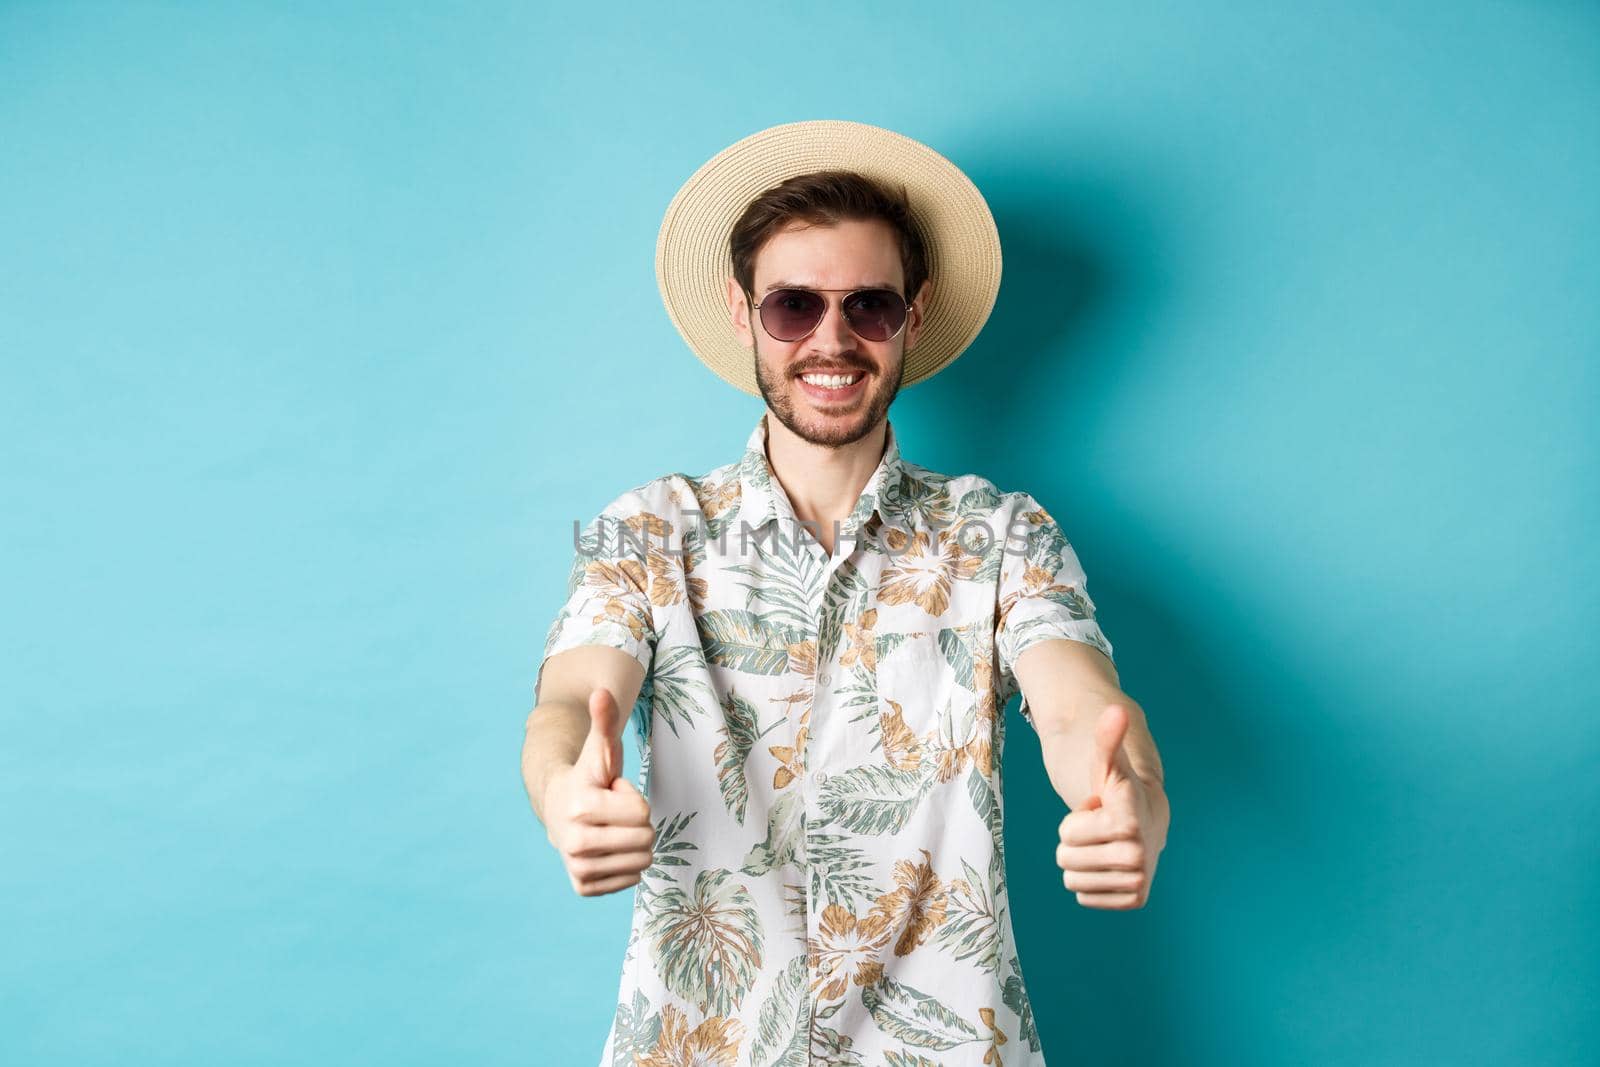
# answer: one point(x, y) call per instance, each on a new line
point(827, 197)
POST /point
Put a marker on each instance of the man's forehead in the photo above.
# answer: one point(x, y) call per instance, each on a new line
point(856, 254)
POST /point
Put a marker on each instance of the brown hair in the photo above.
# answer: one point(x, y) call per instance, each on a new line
point(826, 197)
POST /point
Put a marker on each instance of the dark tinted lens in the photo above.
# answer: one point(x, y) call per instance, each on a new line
point(876, 314)
point(790, 314)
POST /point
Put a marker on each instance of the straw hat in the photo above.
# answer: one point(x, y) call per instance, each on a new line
point(693, 262)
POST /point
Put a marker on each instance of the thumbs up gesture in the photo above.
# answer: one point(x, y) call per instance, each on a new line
point(1110, 844)
point(596, 819)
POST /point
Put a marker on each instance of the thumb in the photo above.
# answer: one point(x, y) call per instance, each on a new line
point(1108, 735)
point(601, 757)
point(624, 787)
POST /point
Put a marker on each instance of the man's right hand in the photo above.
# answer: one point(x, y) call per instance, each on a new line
point(596, 819)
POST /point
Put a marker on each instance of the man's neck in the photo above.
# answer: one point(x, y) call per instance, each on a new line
point(823, 483)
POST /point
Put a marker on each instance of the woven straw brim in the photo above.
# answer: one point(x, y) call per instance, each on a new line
point(693, 262)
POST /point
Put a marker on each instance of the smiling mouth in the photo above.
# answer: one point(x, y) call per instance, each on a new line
point(832, 387)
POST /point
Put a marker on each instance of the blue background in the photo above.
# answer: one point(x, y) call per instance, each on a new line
point(319, 327)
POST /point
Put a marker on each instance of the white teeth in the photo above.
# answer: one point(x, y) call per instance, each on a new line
point(831, 381)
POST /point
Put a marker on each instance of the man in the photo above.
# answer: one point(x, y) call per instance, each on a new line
point(817, 643)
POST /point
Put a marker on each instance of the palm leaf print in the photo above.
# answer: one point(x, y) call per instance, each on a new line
point(795, 902)
point(984, 803)
point(788, 581)
point(988, 572)
point(716, 527)
point(829, 1048)
point(637, 1029)
point(923, 500)
point(901, 1058)
point(915, 1017)
point(745, 641)
point(860, 697)
point(971, 927)
point(980, 502)
point(873, 799)
point(707, 946)
point(739, 732)
point(955, 643)
point(785, 828)
point(675, 689)
point(845, 598)
point(1071, 599)
point(888, 642)
point(781, 1031)
point(668, 846)
point(836, 870)
point(1016, 998)
point(1047, 545)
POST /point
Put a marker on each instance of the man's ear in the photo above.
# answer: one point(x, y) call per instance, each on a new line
point(739, 313)
point(919, 305)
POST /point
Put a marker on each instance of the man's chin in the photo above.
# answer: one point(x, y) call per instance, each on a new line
point(829, 425)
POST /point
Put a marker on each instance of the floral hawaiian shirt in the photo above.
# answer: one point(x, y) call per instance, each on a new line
point(820, 741)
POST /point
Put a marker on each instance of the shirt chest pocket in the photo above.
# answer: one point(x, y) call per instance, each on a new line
point(935, 690)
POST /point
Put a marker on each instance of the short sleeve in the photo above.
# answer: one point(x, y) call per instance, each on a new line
point(608, 600)
point(1043, 592)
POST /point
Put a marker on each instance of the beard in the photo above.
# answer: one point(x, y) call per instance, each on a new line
point(789, 403)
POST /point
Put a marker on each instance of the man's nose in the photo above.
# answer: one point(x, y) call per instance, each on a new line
point(833, 333)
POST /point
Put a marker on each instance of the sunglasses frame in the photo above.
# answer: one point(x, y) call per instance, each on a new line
point(756, 307)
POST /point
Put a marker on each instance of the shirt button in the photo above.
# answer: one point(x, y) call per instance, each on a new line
point(822, 777)
point(825, 679)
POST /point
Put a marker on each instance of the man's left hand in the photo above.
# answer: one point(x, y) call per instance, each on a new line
point(1111, 843)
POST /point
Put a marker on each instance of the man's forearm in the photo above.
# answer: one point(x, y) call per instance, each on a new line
point(555, 734)
point(1066, 734)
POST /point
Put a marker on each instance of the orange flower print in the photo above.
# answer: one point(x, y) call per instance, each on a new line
point(791, 760)
point(1038, 582)
point(664, 587)
point(982, 746)
point(697, 594)
point(714, 1043)
point(916, 906)
point(991, 1055)
point(846, 950)
point(803, 657)
point(712, 499)
point(652, 531)
point(863, 648)
point(900, 745)
point(983, 680)
point(921, 571)
point(617, 580)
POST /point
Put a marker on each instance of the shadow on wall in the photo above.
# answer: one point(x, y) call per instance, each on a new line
point(1019, 408)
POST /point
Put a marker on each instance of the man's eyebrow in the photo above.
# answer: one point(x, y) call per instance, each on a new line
point(798, 285)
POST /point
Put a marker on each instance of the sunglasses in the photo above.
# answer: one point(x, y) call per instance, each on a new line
point(791, 314)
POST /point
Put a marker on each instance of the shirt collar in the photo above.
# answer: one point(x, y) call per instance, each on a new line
point(759, 490)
